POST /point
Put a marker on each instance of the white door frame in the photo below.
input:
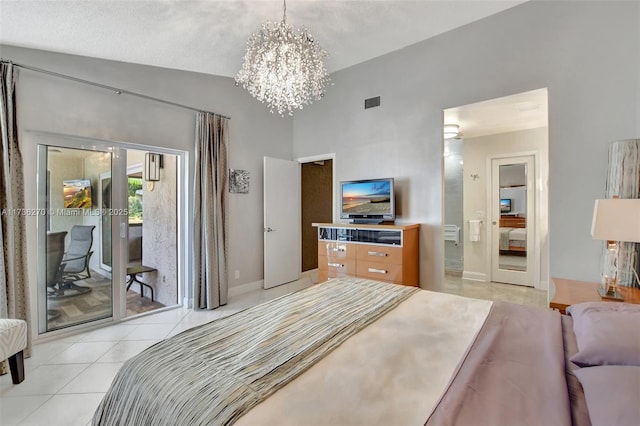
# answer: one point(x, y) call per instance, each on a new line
point(536, 208)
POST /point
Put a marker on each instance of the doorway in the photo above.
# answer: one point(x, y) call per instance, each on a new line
point(151, 224)
point(316, 205)
point(296, 194)
point(93, 197)
point(474, 135)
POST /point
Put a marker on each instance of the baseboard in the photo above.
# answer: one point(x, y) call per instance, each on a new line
point(543, 285)
point(474, 276)
point(311, 275)
point(245, 288)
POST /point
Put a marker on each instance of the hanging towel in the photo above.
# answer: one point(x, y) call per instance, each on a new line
point(474, 230)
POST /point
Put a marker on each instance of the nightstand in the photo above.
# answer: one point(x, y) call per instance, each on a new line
point(570, 292)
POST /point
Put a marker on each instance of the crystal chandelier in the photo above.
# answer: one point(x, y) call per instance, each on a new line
point(283, 67)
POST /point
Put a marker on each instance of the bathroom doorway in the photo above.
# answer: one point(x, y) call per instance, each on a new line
point(474, 135)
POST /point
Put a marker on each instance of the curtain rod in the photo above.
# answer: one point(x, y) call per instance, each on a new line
point(113, 89)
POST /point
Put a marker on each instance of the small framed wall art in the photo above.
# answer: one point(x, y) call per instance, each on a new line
point(239, 181)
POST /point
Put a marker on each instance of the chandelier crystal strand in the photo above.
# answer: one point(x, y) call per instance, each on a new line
point(283, 67)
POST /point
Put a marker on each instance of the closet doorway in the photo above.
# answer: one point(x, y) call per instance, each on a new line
point(316, 205)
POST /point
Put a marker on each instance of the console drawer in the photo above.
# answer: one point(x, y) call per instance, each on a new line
point(337, 265)
point(380, 271)
point(382, 254)
point(337, 250)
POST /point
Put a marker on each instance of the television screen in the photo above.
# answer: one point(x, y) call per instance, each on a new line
point(505, 205)
point(77, 194)
point(372, 199)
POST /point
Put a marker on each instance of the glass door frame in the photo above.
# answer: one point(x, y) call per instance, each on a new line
point(119, 229)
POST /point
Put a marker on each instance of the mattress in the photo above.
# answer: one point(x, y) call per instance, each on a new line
point(518, 234)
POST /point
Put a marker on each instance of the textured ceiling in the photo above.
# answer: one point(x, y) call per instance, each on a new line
point(210, 36)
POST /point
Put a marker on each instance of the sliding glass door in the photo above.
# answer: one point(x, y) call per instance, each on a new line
point(108, 237)
point(75, 288)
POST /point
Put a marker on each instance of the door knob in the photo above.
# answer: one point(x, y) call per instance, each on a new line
point(268, 229)
point(494, 222)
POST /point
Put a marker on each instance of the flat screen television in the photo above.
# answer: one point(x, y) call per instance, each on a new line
point(77, 193)
point(505, 205)
point(367, 201)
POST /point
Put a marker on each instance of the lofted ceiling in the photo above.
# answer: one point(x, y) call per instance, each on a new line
point(209, 36)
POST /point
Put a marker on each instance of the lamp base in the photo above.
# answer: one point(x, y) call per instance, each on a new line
point(611, 295)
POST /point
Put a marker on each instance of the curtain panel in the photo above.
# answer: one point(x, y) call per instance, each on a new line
point(14, 292)
point(210, 212)
point(623, 180)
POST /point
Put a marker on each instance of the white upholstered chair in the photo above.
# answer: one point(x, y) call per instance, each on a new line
point(13, 340)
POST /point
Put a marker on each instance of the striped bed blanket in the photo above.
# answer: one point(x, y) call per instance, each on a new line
point(214, 373)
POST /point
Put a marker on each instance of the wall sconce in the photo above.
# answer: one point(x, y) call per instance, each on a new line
point(152, 165)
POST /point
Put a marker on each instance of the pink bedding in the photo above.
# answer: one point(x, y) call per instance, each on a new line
point(513, 374)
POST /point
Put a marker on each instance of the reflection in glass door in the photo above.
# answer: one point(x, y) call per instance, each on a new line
point(75, 287)
point(513, 220)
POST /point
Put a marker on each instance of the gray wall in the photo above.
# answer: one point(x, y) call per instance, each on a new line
point(585, 53)
point(55, 105)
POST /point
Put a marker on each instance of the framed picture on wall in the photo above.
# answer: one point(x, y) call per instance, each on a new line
point(238, 181)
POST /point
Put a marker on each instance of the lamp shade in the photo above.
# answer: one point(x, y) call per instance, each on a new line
point(616, 219)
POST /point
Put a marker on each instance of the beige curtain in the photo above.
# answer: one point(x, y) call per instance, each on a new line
point(14, 294)
point(210, 212)
point(623, 180)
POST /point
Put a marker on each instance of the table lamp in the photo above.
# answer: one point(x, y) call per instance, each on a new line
point(615, 220)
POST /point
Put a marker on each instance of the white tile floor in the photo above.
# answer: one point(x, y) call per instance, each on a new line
point(66, 379)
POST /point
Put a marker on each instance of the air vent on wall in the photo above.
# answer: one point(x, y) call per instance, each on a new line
point(372, 102)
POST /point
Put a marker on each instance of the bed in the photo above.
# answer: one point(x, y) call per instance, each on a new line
point(513, 239)
point(513, 234)
point(354, 351)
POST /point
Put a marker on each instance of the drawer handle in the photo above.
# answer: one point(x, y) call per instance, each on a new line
point(336, 265)
point(377, 271)
point(336, 249)
point(377, 253)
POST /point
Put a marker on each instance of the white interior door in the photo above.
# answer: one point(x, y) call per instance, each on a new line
point(281, 221)
point(513, 220)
